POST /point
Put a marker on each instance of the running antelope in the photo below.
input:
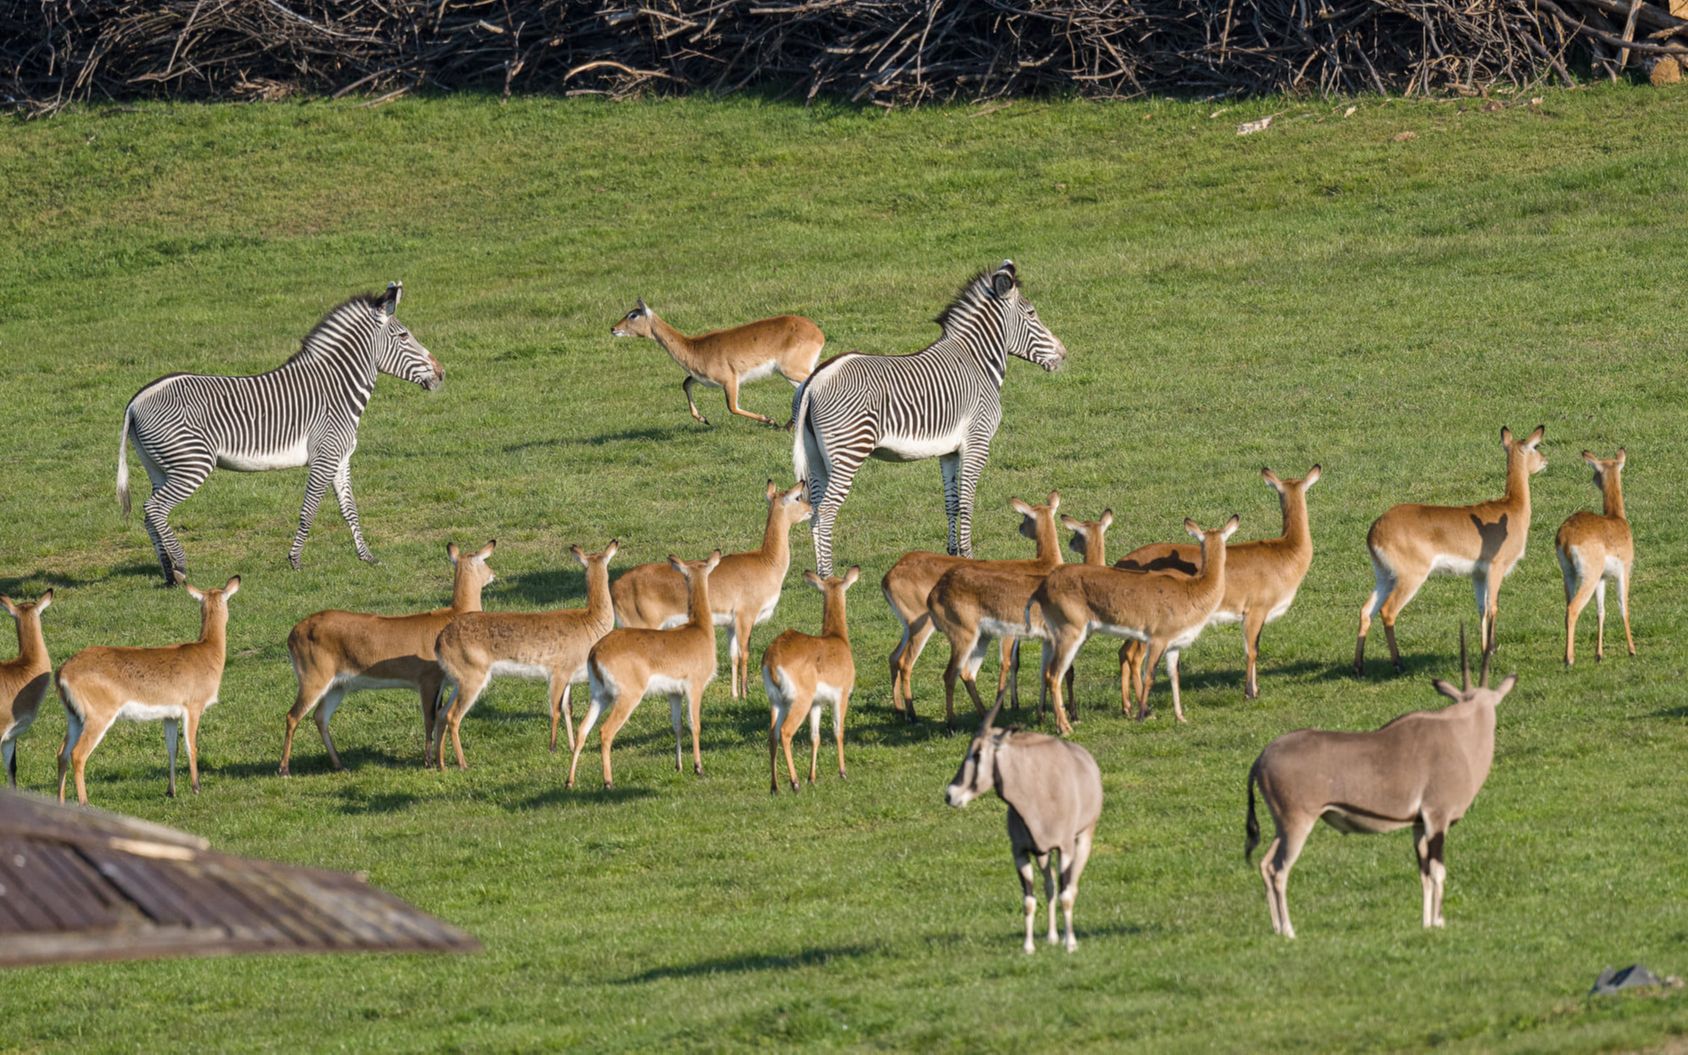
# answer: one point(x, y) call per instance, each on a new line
point(744, 590)
point(725, 359)
point(987, 599)
point(630, 663)
point(800, 671)
point(1261, 576)
point(909, 582)
point(1166, 610)
point(23, 680)
point(1409, 543)
point(1593, 549)
point(1424, 769)
point(336, 652)
point(476, 647)
point(1054, 794)
point(175, 684)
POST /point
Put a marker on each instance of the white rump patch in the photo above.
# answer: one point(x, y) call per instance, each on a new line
point(825, 693)
point(1614, 569)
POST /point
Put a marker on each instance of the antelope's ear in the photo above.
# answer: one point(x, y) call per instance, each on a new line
point(231, 587)
point(579, 554)
point(1107, 520)
point(1230, 527)
point(1506, 686)
point(814, 580)
point(1535, 437)
point(42, 602)
point(1003, 279)
point(9, 606)
point(195, 593)
point(771, 492)
point(1505, 436)
point(714, 559)
point(852, 575)
point(1272, 480)
point(1054, 502)
point(1192, 527)
point(644, 309)
point(677, 564)
point(1312, 477)
point(486, 550)
point(1445, 689)
point(1022, 508)
point(451, 552)
point(1588, 456)
point(611, 549)
point(1622, 457)
point(1071, 523)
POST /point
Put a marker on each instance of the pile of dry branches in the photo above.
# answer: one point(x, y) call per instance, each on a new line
point(886, 52)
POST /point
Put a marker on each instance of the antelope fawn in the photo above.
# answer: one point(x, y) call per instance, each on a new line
point(726, 359)
point(1593, 548)
point(802, 673)
point(1484, 541)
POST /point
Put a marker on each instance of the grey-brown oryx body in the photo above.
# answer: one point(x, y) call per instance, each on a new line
point(1423, 769)
point(1054, 794)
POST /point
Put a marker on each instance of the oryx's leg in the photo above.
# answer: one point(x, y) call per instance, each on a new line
point(1046, 864)
point(1623, 607)
point(1070, 872)
point(840, 473)
point(973, 456)
point(950, 465)
point(1438, 871)
point(691, 404)
point(1421, 846)
point(317, 480)
point(1028, 892)
point(192, 464)
point(1275, 867)
point(349, 505)
point(170, 730)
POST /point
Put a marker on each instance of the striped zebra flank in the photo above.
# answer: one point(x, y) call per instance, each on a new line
point(942, 402)
point(305, 413)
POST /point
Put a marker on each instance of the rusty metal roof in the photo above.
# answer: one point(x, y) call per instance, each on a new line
point(82, 884)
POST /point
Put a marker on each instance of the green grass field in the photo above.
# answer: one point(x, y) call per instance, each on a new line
point(1320, 292)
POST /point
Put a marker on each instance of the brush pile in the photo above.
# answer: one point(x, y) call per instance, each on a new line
point(883, 52)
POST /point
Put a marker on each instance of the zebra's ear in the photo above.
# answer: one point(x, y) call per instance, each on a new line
point(388, 302)
point(1002, 282)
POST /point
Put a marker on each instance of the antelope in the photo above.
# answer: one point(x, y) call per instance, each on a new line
point(801, 670)
point(1593, 549)
point(1409, 543)
point(1054, 794)
point(1262, 576)
point(175, 684)
point(725, 359)
point(336, 652)
point(24, 679)
point(630, 663)
point(476, 647)
point(909, 582)
point(1424, 769)
point(1166, 610)
point(982, 600)
point(744, 590)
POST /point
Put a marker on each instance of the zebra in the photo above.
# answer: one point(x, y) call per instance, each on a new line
point(303, 413)
point(944, 401)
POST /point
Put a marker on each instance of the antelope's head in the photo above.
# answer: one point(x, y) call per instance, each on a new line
point(28, 611)
point(1527, 450)
point(213, 604)
point(1089, 536)
point(636, 323)
point(792, 503)
point(397, 352)
point(1035, 519)
point(472, 568)
point(1605, 468)
point(596, 560)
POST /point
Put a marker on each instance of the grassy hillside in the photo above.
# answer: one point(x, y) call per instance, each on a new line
point(1327, 291)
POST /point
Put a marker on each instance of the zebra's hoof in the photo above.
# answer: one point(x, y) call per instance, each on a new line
point(293, 561)
point(367, 558)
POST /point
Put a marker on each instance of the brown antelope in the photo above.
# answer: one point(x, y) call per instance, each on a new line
point(725, 359)
point(1424, 769)
point(800, 671)
point(909, 582)
point(24, 679)
point(476, 647)
point(1262, 576)
point(982, 600)
point(1167, 610)
point(630, 663)
point(1409, 543)
point(1592, 549)
point(174, 684)
point(337, 652)
point(744, 590)
point(1054, 794)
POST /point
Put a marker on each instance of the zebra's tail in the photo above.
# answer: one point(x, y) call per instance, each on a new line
point(123, 460)
point(804, 451)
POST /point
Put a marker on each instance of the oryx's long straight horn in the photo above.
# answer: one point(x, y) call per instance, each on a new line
point(990, 717)
point(1483, 672)
point(1464, 660)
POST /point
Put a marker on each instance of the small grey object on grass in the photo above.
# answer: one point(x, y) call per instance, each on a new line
point(1635, 976)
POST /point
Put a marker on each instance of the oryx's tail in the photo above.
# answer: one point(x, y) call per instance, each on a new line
point(1251, 829)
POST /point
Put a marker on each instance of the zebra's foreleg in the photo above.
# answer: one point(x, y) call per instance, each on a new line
point(972, 466)
point(950, 465)
point(349, 508)
point(316, 485)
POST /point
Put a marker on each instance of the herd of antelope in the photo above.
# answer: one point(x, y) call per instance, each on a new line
point(652, 631)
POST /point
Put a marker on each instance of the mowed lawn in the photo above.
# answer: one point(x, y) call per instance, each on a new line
point(1328, 292)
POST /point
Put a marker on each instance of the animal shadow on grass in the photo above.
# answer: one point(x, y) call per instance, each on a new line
point(662, 432)
point(27, 587)
point(1671, 712)
point(308, 763)
point(352, 801)
point(561, 796)
point(1422, 664)
point(562, 585)
point(817, 957)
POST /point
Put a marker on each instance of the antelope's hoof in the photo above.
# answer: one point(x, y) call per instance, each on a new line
point(169, 793)
point(1251, 694)
point(1359, 670)
point(774, 790)
point(283, 771)
point(1400, 668)
point(1031, 948)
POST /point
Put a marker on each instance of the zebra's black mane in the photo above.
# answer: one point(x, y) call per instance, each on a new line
point(366, 300)
point(971, 292)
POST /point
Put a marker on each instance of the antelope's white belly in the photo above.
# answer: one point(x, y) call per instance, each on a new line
point(140, 711)
point(511, 669)
point(912, 448)
point(1281, 608)
point(290, 457)
point(767, 611)
point(825, 693)
point(758, 372)
point(1112, 630)
point(1444, 564)
point(1004, 628)
point(1185, 639)
point(1221, 617)
point(667, 686)
point(357, 682)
